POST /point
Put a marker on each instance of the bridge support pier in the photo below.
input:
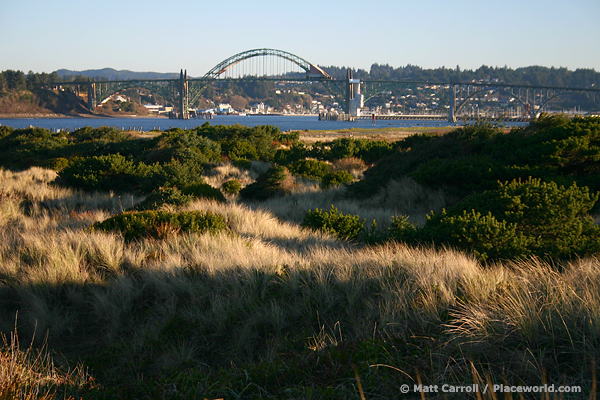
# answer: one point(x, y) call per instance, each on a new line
point(354, 99)
point(183, 95)
point(91, 95)
point(451, 115)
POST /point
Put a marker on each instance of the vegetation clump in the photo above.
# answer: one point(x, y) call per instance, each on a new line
point(334, 222)
point(160, 224)
point(232, 186)
point(311, 169)
point(202, 190)
point(277, 181)
point(518, 220)
point(163, 196)
point(336, 178)
point(475, 157)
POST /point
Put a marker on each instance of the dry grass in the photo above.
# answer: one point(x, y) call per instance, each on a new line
point(31, 373)
point(246, 289)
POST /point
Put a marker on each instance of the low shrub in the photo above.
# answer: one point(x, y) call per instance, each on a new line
point(242, 163)
point(103, 133)
point(162, 196)
point(23, 148)
point(108, 172)
point(5, 131)
point(114, 172)
point(481, 234)
point(334, 222)
point(204, 191)
point(474, 157)
point(240, 149)
point(311, 169)
point(57, 164)
point(336, 178)
point(232, 186)
point(277, 181)
point(298, 151)
point(520, 219)
point(186, 146)
point(160, 224)
point(401, 230)
point(177, 173)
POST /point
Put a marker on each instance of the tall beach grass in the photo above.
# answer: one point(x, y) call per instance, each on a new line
point(269, 309)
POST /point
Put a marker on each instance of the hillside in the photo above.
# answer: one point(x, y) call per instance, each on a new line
point(39, 101)
point(113, 74)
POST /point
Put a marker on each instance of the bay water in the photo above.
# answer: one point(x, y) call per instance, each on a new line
point(285, 123)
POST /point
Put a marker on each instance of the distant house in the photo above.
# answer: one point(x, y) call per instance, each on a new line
point(259, 108)
point(225, 108)
point(158, 109)
point(153, 108)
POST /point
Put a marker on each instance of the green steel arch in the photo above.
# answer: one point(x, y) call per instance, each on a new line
point(313, 72)
point(470, 96)
point(560, 94)
point(166, 88)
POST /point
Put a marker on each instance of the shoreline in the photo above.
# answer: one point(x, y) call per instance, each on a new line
point(154, 116)
point(91, 116)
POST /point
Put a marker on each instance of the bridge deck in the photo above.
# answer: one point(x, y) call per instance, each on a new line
point(436, 118)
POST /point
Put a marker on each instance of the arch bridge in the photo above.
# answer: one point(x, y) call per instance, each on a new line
point(279, 65)
point(251, 65)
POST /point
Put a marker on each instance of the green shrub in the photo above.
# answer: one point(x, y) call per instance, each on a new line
point(110, 172)
point(185, 146)
point(238, 141)
point(242, 163)
point(401, 230)
point(115, 172)
point(371, 151)
point(368, 150)
point(277, 181)
point(334, 222)
point(232, 186)
point(23, 148)
point(289, 138)
point(103, 133)
point(177, 173)
point(162, 196)
point(342, 148)
point(520, 219)
point(483, 235)
point(311, 169)
point(204, 191)
point(298, 151)
point(336, 178)
point(5, 131)
point(240, 149)
point(474, 157)
point(57, 164)
point(160, 224)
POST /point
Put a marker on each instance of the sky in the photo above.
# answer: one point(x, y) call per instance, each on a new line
point(170, 35)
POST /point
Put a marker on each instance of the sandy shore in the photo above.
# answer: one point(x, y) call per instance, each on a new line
point(387, 134)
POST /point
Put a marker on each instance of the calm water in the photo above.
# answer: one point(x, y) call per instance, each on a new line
point(146, 124)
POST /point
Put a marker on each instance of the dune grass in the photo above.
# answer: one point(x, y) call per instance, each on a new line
point(268, 309)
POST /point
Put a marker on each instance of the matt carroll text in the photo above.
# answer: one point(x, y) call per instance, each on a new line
point(474, 388)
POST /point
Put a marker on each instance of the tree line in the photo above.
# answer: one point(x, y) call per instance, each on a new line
point(11, 80)
point(534, 75)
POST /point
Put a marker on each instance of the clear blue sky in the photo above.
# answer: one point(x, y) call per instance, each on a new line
point(166, 36)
